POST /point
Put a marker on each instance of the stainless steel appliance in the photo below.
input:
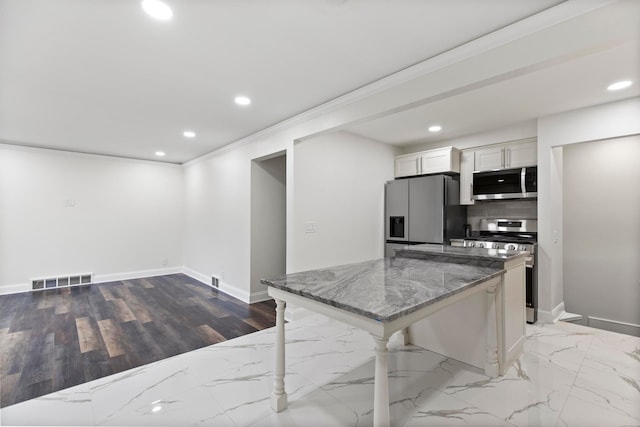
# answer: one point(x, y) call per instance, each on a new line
point(423, 209)
point(510, 234)
point(518, 183)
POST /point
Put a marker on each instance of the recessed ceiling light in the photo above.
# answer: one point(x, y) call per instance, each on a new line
point(242, 100)
point(189, 134)
point(160, 153)
point(157, 9)
point(435, 128)
point(619, 85)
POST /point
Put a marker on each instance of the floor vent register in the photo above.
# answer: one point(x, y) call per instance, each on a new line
point(61, 281)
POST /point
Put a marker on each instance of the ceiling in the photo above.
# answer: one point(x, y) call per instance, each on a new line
point(103, 77)
point(574, 84)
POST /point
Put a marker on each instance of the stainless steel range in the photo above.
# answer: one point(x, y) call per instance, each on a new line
point(510, 234)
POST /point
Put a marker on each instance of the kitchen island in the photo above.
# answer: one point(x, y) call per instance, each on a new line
point(388, 295)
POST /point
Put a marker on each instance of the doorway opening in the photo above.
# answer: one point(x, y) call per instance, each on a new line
point(268, 221)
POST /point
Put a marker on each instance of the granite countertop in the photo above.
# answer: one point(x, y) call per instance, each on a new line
point(454, 252)
point(384, 289)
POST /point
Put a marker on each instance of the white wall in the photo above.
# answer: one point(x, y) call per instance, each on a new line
point(588, 124)
point(127, 216)
point(322, 173)
point(340, 188)
point(601, 232)
point(268, 222)
point(217, 222)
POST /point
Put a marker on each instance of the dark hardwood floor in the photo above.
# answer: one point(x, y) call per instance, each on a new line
point(51, 340)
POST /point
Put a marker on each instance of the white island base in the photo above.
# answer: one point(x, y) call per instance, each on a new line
point(459, 331)
point(381, 332)
point(482, 324)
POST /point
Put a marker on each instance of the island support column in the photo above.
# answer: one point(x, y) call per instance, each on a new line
point(279, 396)
point(381, 384)
point(492, 367)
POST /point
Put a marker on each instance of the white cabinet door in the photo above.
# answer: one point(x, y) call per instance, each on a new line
point(489, 158)
point(466, 176)
point(407, 165)
point(440, 160)
point(506, 156)
point(521, 155)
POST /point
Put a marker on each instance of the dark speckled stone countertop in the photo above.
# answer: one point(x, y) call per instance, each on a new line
point(386, 289)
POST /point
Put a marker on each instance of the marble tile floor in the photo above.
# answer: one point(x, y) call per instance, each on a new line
point(569, 375)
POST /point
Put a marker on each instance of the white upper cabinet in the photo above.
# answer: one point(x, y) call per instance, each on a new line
point(506, 156)
point(522, 154)
point(407, 165)
point(489, 158)
point(440, 160)
point(466, 176)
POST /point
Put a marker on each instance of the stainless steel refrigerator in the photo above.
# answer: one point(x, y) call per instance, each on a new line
point(424, 209)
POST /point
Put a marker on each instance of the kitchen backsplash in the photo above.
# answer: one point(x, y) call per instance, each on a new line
point(509, 209)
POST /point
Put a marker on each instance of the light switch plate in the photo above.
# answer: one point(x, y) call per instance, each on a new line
point(310, 227)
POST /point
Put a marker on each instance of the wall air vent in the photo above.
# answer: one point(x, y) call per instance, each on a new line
point(61, 281)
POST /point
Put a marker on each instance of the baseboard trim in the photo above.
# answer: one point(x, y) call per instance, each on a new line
point(14, 289)
point(116, 277)
point(197, 276)
point(259, 296)
point(98, 278)
point(570, 317)
point(614, 325)
point(223, 286)
point(551, 316)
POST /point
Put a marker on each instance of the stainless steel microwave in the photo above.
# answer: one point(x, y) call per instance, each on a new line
point(520, 183)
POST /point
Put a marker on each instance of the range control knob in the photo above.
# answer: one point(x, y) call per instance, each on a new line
point(481, 245)
point(470, 244)
point(511, 247)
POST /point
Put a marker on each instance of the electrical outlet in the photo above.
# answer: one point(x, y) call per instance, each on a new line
point(310, 227)
point(165, 261)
